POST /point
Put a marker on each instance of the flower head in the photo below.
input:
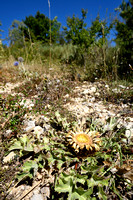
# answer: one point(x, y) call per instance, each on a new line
point(16, 63)
point(88, 140)
point(20, 59)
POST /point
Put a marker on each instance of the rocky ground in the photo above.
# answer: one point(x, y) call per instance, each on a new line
point(98, 101)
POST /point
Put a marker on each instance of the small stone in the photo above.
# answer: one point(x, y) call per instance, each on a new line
point(86, 91)
point(38, 130)
point(46, 191)
point(92, 90)
point(30, 126)
point(128, 133)
point(37, 197)
point(113, 170)
point(5, 167)
point(92, 99)
point(66, 96)
point(9, 157)
point(97, 94)
point(36, 191)
point(8, 133)
point(22, 187)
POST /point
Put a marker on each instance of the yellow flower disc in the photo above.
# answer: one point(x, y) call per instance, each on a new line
point(89, 140)
point(82, 138)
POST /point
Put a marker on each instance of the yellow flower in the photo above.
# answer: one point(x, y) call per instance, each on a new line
point(89, 140)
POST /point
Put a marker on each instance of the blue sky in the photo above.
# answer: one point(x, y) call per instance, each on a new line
point(19, 9)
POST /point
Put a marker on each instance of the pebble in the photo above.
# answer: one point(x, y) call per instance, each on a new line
point(46, 191)
point(37, 197)
point(38, 130)
point(36, 191)
point(30, 126)
point(92, 90)
point(9, 157)
point(8, 133)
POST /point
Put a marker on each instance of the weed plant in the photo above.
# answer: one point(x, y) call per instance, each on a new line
point(99, 176)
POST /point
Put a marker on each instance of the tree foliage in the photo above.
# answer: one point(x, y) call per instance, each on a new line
point(124, 37)
point(75, 31)
point(99, 29)
point(16, 33)
point(38, 28)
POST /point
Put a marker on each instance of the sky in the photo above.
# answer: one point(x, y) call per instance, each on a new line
point(18, 10)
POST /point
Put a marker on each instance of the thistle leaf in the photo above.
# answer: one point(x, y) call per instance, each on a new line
point(15, 146)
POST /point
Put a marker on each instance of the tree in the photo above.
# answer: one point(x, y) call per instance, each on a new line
point(75, 31)
point(124, 37)
point(38, 28)
point(99, 31)
point(55, 30)
point(16, 34)
point(78, 34)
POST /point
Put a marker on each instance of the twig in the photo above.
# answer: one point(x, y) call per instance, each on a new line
point(31, 189)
